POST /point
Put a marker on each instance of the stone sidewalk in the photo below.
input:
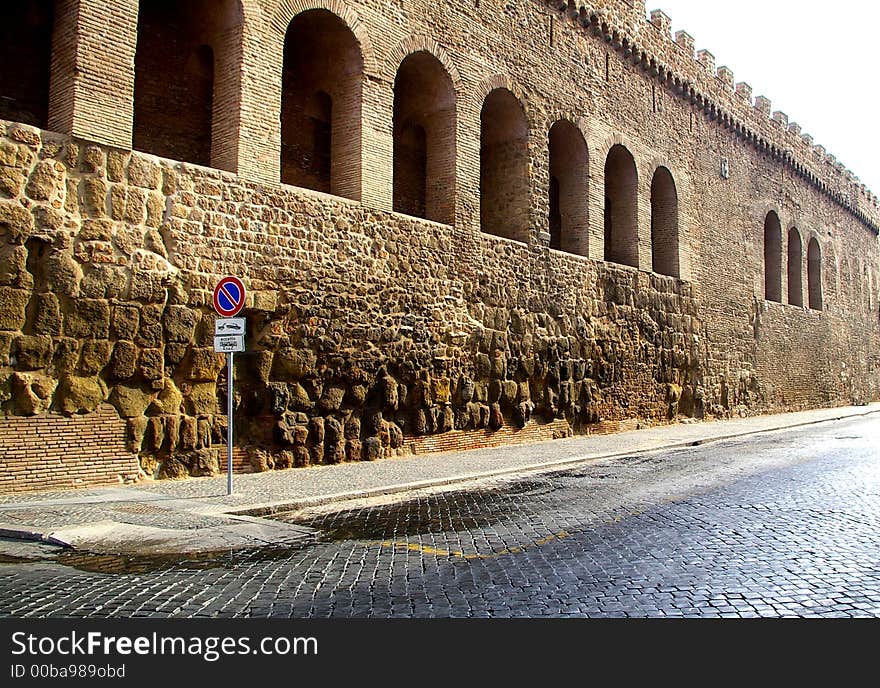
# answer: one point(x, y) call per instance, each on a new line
point(197, 516)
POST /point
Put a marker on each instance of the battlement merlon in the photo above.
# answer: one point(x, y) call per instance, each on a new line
point(648, 41)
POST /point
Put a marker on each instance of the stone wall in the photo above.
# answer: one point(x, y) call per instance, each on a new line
point(365, 327)
point(372, 333)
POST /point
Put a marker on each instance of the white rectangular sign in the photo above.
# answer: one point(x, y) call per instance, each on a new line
point(228, 326)
point(228, 344)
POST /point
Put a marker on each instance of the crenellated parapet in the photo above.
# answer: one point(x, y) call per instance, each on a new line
point(692, 76)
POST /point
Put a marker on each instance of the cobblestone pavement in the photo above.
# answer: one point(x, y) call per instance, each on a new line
point(786, 524)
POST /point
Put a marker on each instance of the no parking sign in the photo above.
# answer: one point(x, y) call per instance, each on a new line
point(229, 296)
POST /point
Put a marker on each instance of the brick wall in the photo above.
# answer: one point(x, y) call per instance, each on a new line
point(52, 451)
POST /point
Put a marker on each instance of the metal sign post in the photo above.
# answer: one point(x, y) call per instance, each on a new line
point(229, 338)
point(229, 424)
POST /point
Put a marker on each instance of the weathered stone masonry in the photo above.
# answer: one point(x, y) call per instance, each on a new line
point(604, 230)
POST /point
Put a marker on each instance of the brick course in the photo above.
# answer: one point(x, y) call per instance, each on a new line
point(48, 452)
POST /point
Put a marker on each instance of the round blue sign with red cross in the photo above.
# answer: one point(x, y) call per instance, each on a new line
point(229, 296)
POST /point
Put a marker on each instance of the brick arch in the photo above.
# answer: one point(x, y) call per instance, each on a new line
point(581, 122)
point(188, 80)
point(421, 44)
point(287, 10)
point(321, 97)
point(604, 145)
point(490, 83)
point(651, 165)
point(682, 181)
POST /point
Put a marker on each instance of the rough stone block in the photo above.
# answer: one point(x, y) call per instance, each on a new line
point(47, 181)
point(331, 400)
point(96, 230)
point(179, 323)
point(116, 165)
point(156, 213)
point(15, 154)
point(203, 364)
point(316, 430)
point(88, 319)
point(293, 364)
point(16, 223)
point(135, 206)
point(151, 365)
point(355, 396)
point(93, 159)
point(371, 449)
point(301, 456)
point(154, 437)
point(13, 303)
point(201, 400)
point(146, 286)
point(135, 430)
point(13, 267)
point(93, 194)
point(79, 394)
point(33, 352)
point(143, 172)
point(11, 181)
point(62, 274)
point(168, 402)
point(353, 450)
point(31, 393)
point(130, 401)
point(188, 433)
point(95, 356)
point(124, 321)
point(103, 282)
point(172, 432)
point(175, 352)
point(149, 333)
point(48, 220)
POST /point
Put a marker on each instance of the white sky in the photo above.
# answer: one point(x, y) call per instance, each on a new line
point(815, 61)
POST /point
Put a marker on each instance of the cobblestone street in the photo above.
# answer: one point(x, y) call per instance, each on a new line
point(781, 524)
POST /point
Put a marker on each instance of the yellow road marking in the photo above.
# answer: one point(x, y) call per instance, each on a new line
point(415, 547)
